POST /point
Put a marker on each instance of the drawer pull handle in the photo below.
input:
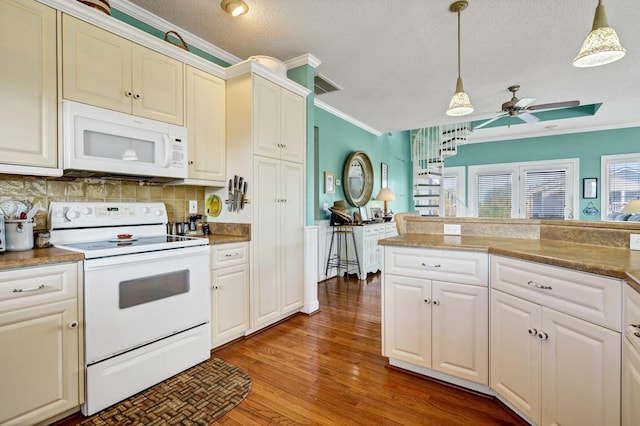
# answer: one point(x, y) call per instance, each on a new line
point(231, 254)
point(73, 324)
point(533, 332)
point(431, 266)
point(542, 335)
point(25, 290)
point(633, 329)
point(540, 286)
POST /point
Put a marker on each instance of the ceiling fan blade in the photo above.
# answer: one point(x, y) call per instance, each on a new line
point(524, 102)
point(528, 118)
point(554, 105)
point(491, 120)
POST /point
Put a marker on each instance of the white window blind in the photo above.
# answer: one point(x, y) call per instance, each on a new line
point(494, 195)
point(450, 184)
point(623, 182)
point(545, 193)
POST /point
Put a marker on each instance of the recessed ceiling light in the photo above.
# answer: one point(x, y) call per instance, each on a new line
point(234, 7)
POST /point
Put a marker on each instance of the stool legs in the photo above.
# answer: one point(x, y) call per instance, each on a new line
point(339, 256)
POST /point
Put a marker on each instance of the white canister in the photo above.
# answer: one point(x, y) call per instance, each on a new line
point(19, 234)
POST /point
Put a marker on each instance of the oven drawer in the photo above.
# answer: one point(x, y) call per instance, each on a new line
point(591, 297)
point(33, 286)
point(224, 255)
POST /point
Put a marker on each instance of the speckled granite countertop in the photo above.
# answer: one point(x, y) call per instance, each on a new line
point(226, 239)
point(37, 257)
point(609, 261)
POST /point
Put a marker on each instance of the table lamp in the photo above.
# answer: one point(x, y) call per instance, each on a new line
point(385, 195)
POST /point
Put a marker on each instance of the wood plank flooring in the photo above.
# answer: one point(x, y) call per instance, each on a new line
point(326, 369)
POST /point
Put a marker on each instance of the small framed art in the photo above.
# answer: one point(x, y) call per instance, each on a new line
point(329, 183)
point(590, 188)
point(384, 174)
point(376, 213)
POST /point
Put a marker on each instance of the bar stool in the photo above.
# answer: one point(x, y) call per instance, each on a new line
point(339, 255)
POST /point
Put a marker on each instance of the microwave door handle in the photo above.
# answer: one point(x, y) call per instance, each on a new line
point(167, 150)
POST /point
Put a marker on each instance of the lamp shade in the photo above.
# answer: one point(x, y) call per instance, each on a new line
point(460, 103)
point(602, 45)
point(632, 206)
point(385, 194)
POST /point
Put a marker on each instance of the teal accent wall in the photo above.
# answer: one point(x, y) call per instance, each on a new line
point(337, 139)
point(303, 75)
point(159, 34)
point(588, 147)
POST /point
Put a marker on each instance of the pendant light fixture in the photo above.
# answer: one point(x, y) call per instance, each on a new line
point(602, 45)
point(460, 103)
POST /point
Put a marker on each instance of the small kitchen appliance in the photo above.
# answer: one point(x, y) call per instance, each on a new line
point(146, 295)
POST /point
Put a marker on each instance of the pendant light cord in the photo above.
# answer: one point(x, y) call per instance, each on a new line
point(458, 44)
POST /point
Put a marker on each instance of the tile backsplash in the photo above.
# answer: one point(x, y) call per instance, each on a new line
point(44, 190)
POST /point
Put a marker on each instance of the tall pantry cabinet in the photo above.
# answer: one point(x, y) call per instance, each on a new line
point(266, 140)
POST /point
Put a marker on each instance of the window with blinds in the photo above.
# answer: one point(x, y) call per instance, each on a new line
point(545, 194)
point(450, 185)
point(495, 195)
point(623, 182)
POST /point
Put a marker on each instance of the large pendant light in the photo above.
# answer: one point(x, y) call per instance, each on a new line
point(602, 45)
point(460, 103)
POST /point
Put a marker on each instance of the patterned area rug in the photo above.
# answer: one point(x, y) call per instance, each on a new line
point(197, 396)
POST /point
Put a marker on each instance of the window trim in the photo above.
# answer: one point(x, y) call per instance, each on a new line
point(518, 190)
point(604, 177)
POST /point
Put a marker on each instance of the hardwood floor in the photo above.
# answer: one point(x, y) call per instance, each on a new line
point(326, 369)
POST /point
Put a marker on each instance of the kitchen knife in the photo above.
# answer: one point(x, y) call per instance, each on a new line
point(230, 198)
point(235, 193)
point(244, 195)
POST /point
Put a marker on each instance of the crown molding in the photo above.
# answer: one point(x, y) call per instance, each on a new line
point(345, 117)
point(163, 25)
point(306, 59)
point(251, 66)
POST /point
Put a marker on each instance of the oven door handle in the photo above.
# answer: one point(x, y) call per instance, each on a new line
point(182, 255)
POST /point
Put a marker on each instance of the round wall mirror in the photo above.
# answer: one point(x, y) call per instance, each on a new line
point(357, 179)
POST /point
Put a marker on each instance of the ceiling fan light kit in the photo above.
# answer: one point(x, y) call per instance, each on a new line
point(234, 7)
point(602, 45)
point(460, 103)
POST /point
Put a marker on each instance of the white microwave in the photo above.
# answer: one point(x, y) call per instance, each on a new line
point(98, 142)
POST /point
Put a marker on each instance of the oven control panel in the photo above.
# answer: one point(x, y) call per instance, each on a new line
point(98, 214)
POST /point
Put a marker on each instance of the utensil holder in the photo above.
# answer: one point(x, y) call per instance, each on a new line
point(19, 235)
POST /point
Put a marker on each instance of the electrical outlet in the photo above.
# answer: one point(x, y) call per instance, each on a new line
point(193, 206)
point(452, 229)
point(634, 241)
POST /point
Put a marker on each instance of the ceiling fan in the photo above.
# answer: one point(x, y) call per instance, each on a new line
point(522, 108)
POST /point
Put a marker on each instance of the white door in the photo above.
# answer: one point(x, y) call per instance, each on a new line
point(292, 235)
point(515, 352)
point(266, 118)
point(630, 385)
point(580, 372)
point(229, 302)
point(460, 330)
point(407, 319)
point(293, 126)
point(266, 240)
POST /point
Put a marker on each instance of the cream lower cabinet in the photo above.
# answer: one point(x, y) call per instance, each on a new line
point(40, 350)
point(369, 252)
point(229, 292)
point(29, 81)
point(631, 359)
point(434, 324)
point(205, 113)
point(278, 232)
point(102, 69)
point(561, 365)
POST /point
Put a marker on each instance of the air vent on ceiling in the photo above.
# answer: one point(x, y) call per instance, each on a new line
point(322, 85)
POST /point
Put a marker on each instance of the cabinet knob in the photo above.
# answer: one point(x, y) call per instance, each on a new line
point(427, 300)
point(190, 162)
point(215, 287)
point(73, 324)
point(533, 332)
point(542, 335)
point(128, 94)
point(137, 96)
point(436, 302)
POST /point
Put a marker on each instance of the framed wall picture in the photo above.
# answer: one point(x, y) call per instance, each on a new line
point(590, 188)
point(329, 183)
point(384, 174)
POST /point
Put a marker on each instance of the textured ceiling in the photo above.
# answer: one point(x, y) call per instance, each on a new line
point(396, 61)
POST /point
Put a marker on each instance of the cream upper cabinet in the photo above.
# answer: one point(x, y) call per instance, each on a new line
point(106, 70)
point(550, 357)
point(29, 84)
point(279, 121)
point(205, 113)
point(41, 368)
